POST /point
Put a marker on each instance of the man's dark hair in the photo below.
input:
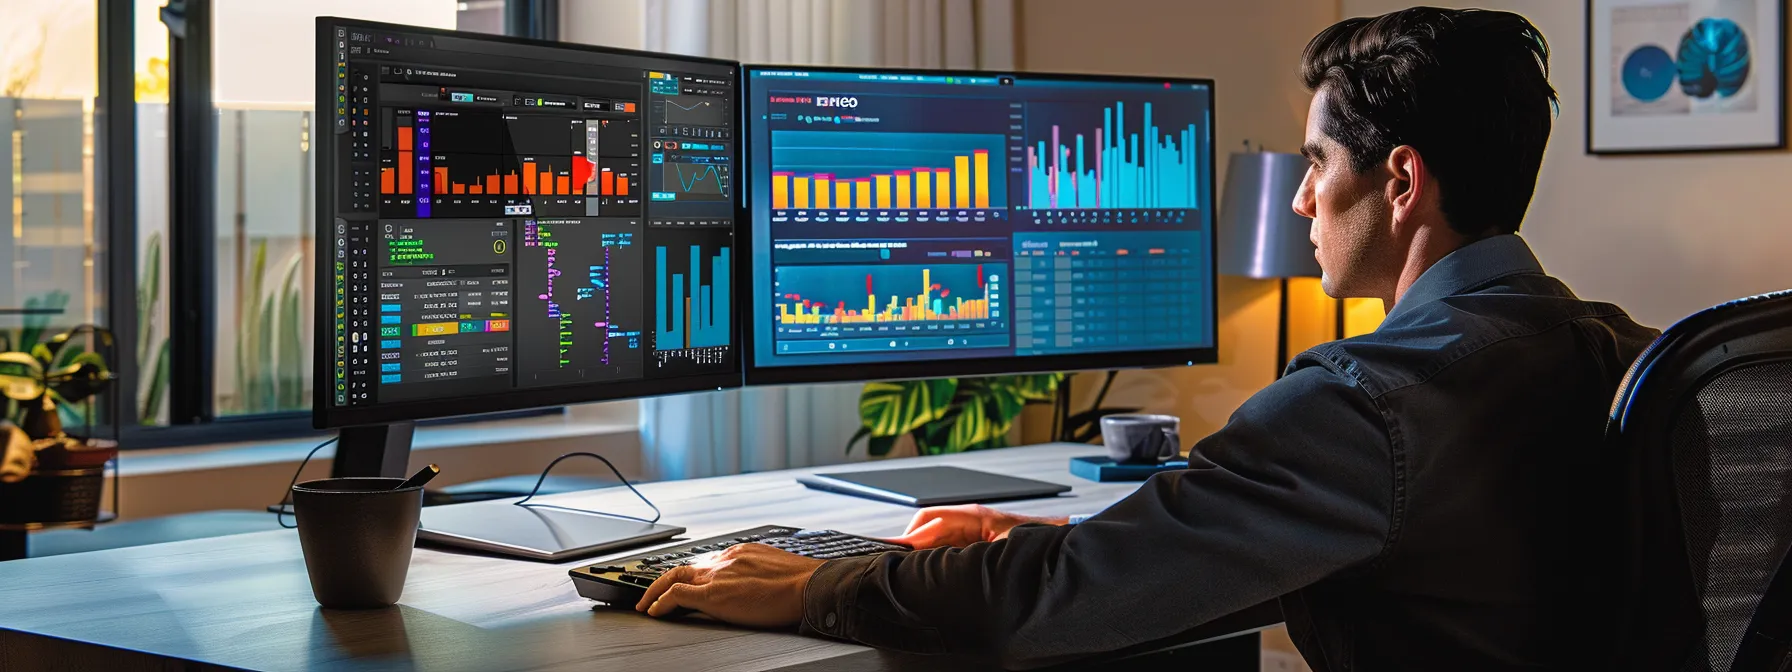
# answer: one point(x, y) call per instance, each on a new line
point(1469, 89)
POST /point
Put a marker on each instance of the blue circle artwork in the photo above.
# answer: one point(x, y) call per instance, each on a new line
point(1713, 59)
point(1649, 72)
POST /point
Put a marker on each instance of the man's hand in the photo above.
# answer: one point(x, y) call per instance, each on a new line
point(749, 584)
point(963, 525)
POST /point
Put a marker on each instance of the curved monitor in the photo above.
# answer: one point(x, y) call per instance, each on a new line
point(922, 223)
point(506, 223)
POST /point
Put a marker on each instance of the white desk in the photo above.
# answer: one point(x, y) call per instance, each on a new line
point(244, 601)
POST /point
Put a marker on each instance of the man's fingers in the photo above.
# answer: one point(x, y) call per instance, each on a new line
point(682, 595)
point(680, 575)
point(922, 517)
point(922, 536)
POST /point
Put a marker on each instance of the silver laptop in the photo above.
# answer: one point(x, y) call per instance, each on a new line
point(537, 532)
point(931, 486)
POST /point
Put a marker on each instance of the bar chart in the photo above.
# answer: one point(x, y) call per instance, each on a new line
point(934, 302)
point(1091, 156)
point(692, 308)
point(457, 164)
point(855, 170)
point(903, 306)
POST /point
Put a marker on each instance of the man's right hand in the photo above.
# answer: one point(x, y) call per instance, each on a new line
point(963, 525)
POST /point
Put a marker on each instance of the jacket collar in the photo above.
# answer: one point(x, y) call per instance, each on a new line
point(1467, 268)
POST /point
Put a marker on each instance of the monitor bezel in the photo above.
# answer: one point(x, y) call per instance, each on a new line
point(755, 375)
point(326, 416)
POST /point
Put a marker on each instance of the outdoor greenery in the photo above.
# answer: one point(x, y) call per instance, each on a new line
point(149, 289)
point(270, 371)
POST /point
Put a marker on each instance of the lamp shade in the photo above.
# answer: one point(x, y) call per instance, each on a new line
point(1260, 236)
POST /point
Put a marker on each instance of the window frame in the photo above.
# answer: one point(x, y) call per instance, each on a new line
point(192, 223)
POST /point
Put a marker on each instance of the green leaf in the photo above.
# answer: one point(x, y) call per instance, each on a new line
point(1003, 403)
point(931, 438)
point(262, 385)
point(290, 374)
point(32, 333)
point(857, 437)
point(1037, 387)
point(149, 288)
point(880, 446)
point(21, 376)
point(158, 388)
point(893, 408)
point(251, 334)
point(68, 354)
point(42, 354)
point(84, 376)
point(971, 427)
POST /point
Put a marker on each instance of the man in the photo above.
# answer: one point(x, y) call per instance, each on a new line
point(1425, 497)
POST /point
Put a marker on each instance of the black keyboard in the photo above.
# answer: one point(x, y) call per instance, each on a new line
point(622, 582)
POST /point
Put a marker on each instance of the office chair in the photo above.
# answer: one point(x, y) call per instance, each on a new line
point(1702, 425)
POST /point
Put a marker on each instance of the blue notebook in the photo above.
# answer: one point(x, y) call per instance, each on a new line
point(1104, 468)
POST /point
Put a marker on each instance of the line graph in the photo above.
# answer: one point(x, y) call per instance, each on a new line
point(696, 179)
point(696, 110)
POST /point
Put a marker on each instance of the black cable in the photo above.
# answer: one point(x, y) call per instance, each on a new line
point(280, 510)
point(613, 470)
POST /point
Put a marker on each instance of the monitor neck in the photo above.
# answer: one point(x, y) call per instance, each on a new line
point(373, 450)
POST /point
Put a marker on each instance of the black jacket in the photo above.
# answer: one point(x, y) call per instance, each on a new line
point(1425, 497)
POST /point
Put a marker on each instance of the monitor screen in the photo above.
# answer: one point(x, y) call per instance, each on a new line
point(924, 223)
point(505, 223)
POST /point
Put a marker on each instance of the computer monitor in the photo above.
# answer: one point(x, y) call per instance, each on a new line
point(507, 224)
point(918, 223)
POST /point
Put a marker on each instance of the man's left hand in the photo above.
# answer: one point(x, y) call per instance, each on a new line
point(750, 584)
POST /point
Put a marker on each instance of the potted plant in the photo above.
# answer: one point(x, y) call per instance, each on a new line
point(49, 476)
point(952, 415)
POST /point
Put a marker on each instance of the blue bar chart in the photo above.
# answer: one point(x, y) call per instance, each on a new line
point(690, 313)
point(1115, 164)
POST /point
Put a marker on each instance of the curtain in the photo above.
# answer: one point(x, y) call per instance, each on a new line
point(724, 432)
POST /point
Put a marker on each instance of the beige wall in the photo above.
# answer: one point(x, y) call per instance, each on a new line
point(1662, 236)
point(1252, 52)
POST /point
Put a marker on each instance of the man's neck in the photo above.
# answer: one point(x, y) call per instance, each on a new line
point(1430, 244)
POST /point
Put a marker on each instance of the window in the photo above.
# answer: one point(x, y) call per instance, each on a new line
point(56, 227)
point(52, 244)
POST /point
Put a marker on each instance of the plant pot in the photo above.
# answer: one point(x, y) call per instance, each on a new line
point(64, 487)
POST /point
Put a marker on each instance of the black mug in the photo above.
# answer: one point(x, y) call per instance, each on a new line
point(1141, 439)
point(357, 535)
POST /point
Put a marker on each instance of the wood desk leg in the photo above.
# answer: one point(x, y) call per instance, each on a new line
point(12, 544)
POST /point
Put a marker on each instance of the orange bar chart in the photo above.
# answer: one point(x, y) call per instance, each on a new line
point(963, 185)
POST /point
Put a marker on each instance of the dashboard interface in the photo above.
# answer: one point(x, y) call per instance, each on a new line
point(911, 216)
point(506, 216)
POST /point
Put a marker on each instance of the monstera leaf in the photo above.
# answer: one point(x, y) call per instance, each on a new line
point(1037, 387)
point(21, 376)
point(948, 415)
point(83, 377)
point(892, 409)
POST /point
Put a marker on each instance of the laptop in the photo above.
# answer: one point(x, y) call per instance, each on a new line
point(541, 532)
point(931, 486)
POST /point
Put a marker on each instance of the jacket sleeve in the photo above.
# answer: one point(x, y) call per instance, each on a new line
point(1298, 485)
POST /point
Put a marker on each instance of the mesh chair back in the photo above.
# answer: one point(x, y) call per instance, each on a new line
point(1703, 424)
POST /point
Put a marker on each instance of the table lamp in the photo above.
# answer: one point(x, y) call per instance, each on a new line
point(1260, 236)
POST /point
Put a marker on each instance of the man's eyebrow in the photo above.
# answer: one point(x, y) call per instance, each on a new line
point(1312, 151)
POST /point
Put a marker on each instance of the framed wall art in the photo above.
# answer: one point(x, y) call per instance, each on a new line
point(1685, 75)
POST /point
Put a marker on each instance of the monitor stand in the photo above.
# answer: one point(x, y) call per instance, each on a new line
point(497, 526)
point(373, 450)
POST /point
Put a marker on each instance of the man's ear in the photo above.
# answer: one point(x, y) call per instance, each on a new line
point(1407, 180)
